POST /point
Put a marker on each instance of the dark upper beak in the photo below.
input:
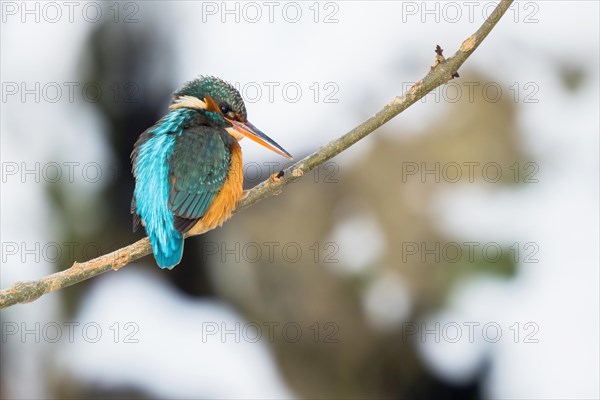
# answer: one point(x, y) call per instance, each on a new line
point(255, 134)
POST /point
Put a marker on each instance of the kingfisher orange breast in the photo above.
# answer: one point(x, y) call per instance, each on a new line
point(225, 201)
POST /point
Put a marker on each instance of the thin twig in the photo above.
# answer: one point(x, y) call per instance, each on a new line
point(441, 72)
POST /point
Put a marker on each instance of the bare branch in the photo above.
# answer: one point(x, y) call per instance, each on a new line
point(441, 72)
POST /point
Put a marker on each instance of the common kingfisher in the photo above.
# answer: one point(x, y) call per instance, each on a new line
point(188, 166)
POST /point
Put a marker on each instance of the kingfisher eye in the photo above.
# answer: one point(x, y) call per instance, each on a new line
point(224, 108)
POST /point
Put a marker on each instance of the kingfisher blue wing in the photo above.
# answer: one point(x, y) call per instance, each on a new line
point(198, 168)
point(151, 170)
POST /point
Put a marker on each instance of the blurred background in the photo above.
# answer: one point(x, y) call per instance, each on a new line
point(451, 254)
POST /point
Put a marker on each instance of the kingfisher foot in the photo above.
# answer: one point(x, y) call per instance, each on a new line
point(276, 177)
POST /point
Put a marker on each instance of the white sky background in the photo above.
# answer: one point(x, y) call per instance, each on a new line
point(368, 54)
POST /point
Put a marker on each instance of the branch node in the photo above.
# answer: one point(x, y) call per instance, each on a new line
point(439, 59)
point(439, 56)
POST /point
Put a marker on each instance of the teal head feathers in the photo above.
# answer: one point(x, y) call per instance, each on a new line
point(222, 103)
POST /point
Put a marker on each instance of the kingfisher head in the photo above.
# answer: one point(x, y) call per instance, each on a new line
point(222, 103)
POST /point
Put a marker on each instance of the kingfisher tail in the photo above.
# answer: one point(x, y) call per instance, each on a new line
point(170, 255)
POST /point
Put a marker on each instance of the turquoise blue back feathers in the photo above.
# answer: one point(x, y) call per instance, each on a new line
point(179, 165)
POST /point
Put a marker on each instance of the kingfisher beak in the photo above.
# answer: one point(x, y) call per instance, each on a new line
point(255, 134)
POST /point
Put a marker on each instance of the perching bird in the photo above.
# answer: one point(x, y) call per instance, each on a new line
point(188, 166)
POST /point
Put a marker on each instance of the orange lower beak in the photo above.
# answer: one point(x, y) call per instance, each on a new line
point(255, 134)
